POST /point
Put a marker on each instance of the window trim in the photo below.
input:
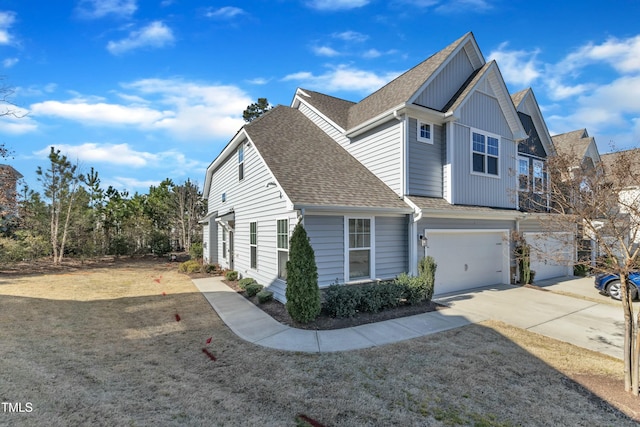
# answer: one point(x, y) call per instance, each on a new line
point(420, 138)
point(224, 242)
point(371, 248)
point(253, 245)
point(281, 249)
point(541, 177)
point(485, 154)
point(241, 162)
point(526, 159)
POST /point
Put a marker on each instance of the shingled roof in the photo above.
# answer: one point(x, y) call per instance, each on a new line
point(400, 89)
point(336, 109)
point(312, 168)
point(574, 144)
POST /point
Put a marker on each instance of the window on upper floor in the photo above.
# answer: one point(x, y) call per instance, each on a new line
point(485, 154)
point(241, 162)
point(523, 174)
point(538, 176)
point(425, 132)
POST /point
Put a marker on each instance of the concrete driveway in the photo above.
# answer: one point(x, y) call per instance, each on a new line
point(567, 309)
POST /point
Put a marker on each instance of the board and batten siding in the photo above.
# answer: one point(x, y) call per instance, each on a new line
point(483, 111)
point(326, 234)
point(446, 83)
point(251, 201)
point(392, 251)
point(380, 151)
point(425, 162)
point(323, 124)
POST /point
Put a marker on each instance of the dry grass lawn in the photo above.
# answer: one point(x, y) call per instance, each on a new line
point(102, 346)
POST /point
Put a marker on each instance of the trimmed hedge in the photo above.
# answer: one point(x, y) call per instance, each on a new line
point(231, 275)
point(252, 289)
point(243, 283)
point(191, 266)
point(264, 296)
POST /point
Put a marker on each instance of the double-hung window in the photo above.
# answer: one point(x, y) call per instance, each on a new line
point(224, 242)
point(359, 248)
point(282, 237)
point(538, 177)
point(253, 244)
point(425, 132)
point(241, 163)
point(523, 174)
point(485, 154)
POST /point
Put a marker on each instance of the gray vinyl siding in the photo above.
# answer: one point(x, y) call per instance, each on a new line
point(532, 226)
point(481, 190)
point(326, 234)
point(380, 150)
point(323, 124)
point(425, 162)
point(446, 83)
point(483, 112)
point(392, 252)
point(251, 201)
point(210, 242)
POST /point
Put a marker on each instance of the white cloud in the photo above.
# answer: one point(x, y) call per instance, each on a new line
point(6, 21)
point(258, 81)
point(351, 36)
point(17, 125)
point(519, 67)
point(325, 51)
point(9, 62)
point(155, 35)
point(226, 12)
point(186, 110)
point(621, 54)
point(464, 6)
point(117, 154)
point(94, 9)
point(336, 4)
point(344, 78)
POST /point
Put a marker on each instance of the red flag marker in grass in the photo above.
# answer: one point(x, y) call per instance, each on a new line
point(308, 420)
point(156, 280)
point(164, 294)
point(177, 317)
point(209, 340)
point(208, 353)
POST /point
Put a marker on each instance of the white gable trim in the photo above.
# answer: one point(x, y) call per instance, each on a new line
point(529, 101)
point(298, 99)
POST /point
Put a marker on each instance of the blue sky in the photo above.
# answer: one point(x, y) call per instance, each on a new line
point(143, 90)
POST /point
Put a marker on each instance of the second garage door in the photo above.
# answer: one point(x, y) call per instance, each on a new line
point(551, 254)
point(468, 259)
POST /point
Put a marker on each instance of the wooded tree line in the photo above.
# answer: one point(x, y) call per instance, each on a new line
point(75, 215)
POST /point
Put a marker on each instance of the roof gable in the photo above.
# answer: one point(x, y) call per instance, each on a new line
point(538, 141)
point(312, 169)
point(578, 145)
point(333, 109)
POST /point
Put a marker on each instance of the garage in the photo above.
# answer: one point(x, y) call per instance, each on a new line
point(551, 254)
point(468, 259)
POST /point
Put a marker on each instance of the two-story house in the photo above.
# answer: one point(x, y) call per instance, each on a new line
point(426, 165)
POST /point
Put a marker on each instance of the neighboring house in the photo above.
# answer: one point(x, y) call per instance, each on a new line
point(8, 194)
point(426, 165)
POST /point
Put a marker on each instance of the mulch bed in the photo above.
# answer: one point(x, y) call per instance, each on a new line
point(279, 312)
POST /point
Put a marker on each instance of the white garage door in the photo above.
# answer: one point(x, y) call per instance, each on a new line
point(468, 259)
point(551, 254)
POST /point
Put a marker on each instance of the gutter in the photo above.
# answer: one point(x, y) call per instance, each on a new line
point(330, 208)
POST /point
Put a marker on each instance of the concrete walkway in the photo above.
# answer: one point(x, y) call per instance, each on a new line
point(585, 323)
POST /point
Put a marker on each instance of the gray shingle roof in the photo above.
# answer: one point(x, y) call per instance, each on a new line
point(312, 168)
point(574, 143)
point(434, 204)
point(334, 108)
point(400, 89)
point(519, 96)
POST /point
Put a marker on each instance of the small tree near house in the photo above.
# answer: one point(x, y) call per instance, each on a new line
point(600, 202)
point(303, 293)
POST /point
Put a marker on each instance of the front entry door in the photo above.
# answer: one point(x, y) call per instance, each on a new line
point(230, 250)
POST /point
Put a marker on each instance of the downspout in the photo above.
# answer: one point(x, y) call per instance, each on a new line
point(403, 152)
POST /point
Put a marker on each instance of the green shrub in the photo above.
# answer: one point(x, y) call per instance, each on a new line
point(242, 283)
point(427, 270)
point(580, 270)
point(341, 301)
point(195, 250)
point(302, 292)
point(414, 288)
point(523, 255)
point(253, 288)
point(160, 243)
point(231, 275)
point(211, 268)
point(191, 266)
point(264, 296)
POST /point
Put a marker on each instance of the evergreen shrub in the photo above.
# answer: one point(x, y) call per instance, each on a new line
point(302, 292)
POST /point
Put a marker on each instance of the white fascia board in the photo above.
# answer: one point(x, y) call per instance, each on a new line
point(298, 100)
point(391, 113)
point(453, 214)
point(428, 115)
point(241, 135)
point(311, 209)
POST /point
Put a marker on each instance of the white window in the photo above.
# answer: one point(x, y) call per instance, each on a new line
point(282, 238)
point(523, 174)
point(253, 244)
point(485, 154)
point(241, 163)
point(224, 242)
point(425, 132)
point(359, 249)
point(538, 176)
point(224, 197)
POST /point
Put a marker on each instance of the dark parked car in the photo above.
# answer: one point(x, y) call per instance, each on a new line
point(609, 284)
